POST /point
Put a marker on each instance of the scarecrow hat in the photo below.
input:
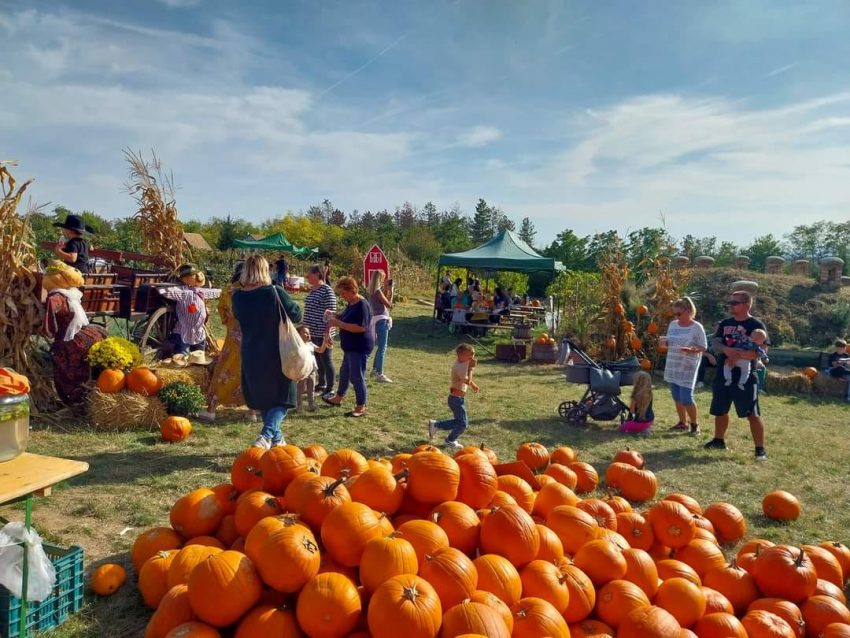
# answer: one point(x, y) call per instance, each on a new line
point(187, 270)
point(75, 223)
point(199, 358)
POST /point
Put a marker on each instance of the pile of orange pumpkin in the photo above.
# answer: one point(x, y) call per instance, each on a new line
point(306, 543)
point(544, 340)
point(140, 380)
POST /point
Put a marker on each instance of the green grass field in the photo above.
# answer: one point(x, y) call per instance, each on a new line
point(134, 478)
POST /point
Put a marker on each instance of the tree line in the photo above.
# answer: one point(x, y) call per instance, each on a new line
point(425, 233)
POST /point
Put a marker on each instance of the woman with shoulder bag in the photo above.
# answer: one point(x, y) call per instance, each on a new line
point(259, 307)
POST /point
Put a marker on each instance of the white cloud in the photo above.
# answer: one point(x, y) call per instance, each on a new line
point(180, 4)
point(480, 136)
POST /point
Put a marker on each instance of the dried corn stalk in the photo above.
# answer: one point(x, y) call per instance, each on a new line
point(614, 273)
point(21, 310)
point(156, 217)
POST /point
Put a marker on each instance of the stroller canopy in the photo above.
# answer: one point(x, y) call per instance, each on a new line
point(505, 252)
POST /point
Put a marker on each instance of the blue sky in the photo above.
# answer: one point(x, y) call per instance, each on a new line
point(730, 119)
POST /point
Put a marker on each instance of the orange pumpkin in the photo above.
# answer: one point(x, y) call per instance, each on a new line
point(764, 623)
point(641, 310)
point(329, 605)
point(582, 593)
point(433, 477)
point(106, 579)
point(826, 565)
point(175, 428)
point(425, 536)
point(618, 598)
point(151, 542)
point(478, 480)
point(652, 328)
point(544, 580)
point(602, 560)
point(636, 530)
point(636, 343)
point(648, 622)
point(690, 503)
point(245, 473)
point(586, 477)
point(535, 455)
point(292, 545)
point(344, 463)
point(820, 611)
point(384, 558)
point(645, 364)
point(841, 553)
point(510, 532)
point(111, 381)
point(573, 527)
point(499, 577)
point(781, 506)
point(550, 545)
point(702, 555)
point(280, 465)
point(551, 496)
point(268, 620)
point(185, 560)
point(405, 601)
point(314, 497)
point(347, 530)
point(810, 372)
point(252, 507)
point(143, 381)
point(563, 455)
point(729, 524)
point(684, 600)
point(591, 629)
point(561, 473)
point(153, 577)
point(672, 524)
point(460, 523)
point(785, 572)
point(534, 617)
point(174, 610)
point(473, 618)
point(720, 624)
point(735, 583)
point(377, 488)
point(641, 570)
point(198, 513)
point(452, 574)
point(193, 629)
point(638, 485)
point(315, 451)
point(223, 588)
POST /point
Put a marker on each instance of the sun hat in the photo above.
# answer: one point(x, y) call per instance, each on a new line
point(199, 358)
point(75, 223)
point(187, 270)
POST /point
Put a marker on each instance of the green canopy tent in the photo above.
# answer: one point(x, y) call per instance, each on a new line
point(277, 242)
point(506, 252)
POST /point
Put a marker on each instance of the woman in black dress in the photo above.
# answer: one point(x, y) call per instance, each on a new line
point(258, 307)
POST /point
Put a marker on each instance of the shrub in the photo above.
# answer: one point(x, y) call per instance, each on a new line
point(114, 352)
point(181, 398)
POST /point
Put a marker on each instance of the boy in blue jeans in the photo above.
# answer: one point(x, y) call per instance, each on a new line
point(461, 379)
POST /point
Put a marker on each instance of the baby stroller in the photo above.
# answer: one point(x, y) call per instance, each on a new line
point(601, 401)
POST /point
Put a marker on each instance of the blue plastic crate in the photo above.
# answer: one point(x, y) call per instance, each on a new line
point(66, 599)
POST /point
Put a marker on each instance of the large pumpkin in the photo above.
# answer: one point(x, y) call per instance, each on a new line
point(151, 542)
point(478, 480)
point(110, 381)
point(729, 524)
point(510, 531)
point(460, 523)
point(405, 604)
point(648, 622)
point(143, 381)
point(379, 489)
point(268, 620)
point(174, 610)
point(534, 617)
point(384, 558)
point(329, 605)
point(786, 572)
point(153, 577)
point(781, 506)
point(452, 574)
point(223, 588)
point(293, 546)
point(473, 618)
point(246, 473)
point(198, 513)
point(280, 465)
point(425, 536)
point(106, 579)
point(535, 455)
point(175, 428)
point(433, 477)
point(344, 463)
point(498, 576)
point(347, 530)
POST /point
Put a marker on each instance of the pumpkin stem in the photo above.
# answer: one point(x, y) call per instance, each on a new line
point(800, 558)
point(410, 593)
point(309, 545)
point(402, 476)
point(331, 487)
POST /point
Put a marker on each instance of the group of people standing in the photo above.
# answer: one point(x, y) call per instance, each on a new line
point(252, 310)
point(739, 343)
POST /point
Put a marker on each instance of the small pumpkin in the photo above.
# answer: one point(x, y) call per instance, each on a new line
point(384, 558)
point(602, 560)
point(648, 622)
point(245, 473)
point(425, 536)
point(143, 381)
point(111, 381)
point(641, 310)
point(151, 542)
point(198, 513)
point(729, 524)
point(645, 364)
point(153, 577)
point(586, 476)
point(652, 328)
point(268, 620)
point(174, 610)
point(346, 531)
point(405, 601)
point(764, 623)
point(534, 617)
point(535, 455)
point(810, 372)
point(345, 463)
point(681, 598)
point(329, 605)
point(781, 506)
point(175, 428)
point(106, 579)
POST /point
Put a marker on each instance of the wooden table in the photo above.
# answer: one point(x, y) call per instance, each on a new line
point(24, 477)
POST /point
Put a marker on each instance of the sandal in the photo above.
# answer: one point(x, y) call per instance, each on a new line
point(356, 412)
point(330, 401)
point(679, 427)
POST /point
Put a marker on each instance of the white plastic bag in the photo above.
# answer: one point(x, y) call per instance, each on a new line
point(296, 359)
point(42, 574)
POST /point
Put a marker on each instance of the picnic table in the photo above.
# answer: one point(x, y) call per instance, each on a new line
point(21, 479)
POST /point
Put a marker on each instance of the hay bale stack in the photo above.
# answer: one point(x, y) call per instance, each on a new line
point(826, 386)
point(796, 383)
point(124, 411)
point(196, 375)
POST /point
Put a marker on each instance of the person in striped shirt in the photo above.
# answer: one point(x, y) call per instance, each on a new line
point(190, 332)
point(320, 299)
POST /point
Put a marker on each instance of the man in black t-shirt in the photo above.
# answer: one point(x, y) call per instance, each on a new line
point(75, 251)
point(731, 334)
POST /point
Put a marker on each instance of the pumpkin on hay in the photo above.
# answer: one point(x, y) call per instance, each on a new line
point(110, 381)
point(810, 372)
point(175, 428)
point(106, 579)
point(143, 381)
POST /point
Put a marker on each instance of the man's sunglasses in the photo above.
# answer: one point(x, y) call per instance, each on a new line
point(733, 302)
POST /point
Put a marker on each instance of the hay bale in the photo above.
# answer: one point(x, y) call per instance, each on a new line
point(827, 386)
point(196, 375)
point(795, 383)
point(124, 411)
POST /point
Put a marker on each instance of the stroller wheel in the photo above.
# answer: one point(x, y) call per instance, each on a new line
point(565, 407)
point(577, 415)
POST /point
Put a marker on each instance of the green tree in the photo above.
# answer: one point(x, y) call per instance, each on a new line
point(527, 233)
point(644, 245)
point(420, 245)
point(227, 234)
point(429, 214)
point(602, 244)
point(570, 250)
point(500, 221)
point(726, 253)
point(760, 249)
point(481, 228)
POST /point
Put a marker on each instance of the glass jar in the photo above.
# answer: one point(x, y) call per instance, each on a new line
point(14, 425)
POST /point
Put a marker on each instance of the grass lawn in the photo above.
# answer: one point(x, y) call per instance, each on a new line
point(134, 478)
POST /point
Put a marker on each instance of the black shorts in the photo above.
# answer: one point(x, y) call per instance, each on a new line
point(723, 396)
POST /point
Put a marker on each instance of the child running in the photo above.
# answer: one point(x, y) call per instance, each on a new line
point(307, 386)
point(641, 415)
point(461, 378)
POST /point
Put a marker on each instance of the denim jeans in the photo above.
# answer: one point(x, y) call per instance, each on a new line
point(382, 333)
point(272, 418)
point(325, 363)
point(458, 423)
point(353, 370)
point(181, 347)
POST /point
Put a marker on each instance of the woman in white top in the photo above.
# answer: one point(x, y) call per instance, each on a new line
point(685, 344)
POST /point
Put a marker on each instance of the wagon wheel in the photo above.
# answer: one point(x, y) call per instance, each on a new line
point(565, 407)
point(155, 331)
point(514, 358)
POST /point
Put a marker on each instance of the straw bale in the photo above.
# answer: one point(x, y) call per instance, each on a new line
point(196, 375)
point(827, 386)
point(795, 383)
point(124, 411)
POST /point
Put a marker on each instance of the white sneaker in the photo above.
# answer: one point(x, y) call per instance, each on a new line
point(280, 443)
point(263, 443)
point(454, 444)
point(206, 415)
point(432, 428)
point(382, 378)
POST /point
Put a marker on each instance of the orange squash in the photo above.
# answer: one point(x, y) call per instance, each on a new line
point(143, 381)
point(175, 428)
point(110, 381)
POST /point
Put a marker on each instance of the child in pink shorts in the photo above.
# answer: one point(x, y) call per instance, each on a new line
point(641, 415)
